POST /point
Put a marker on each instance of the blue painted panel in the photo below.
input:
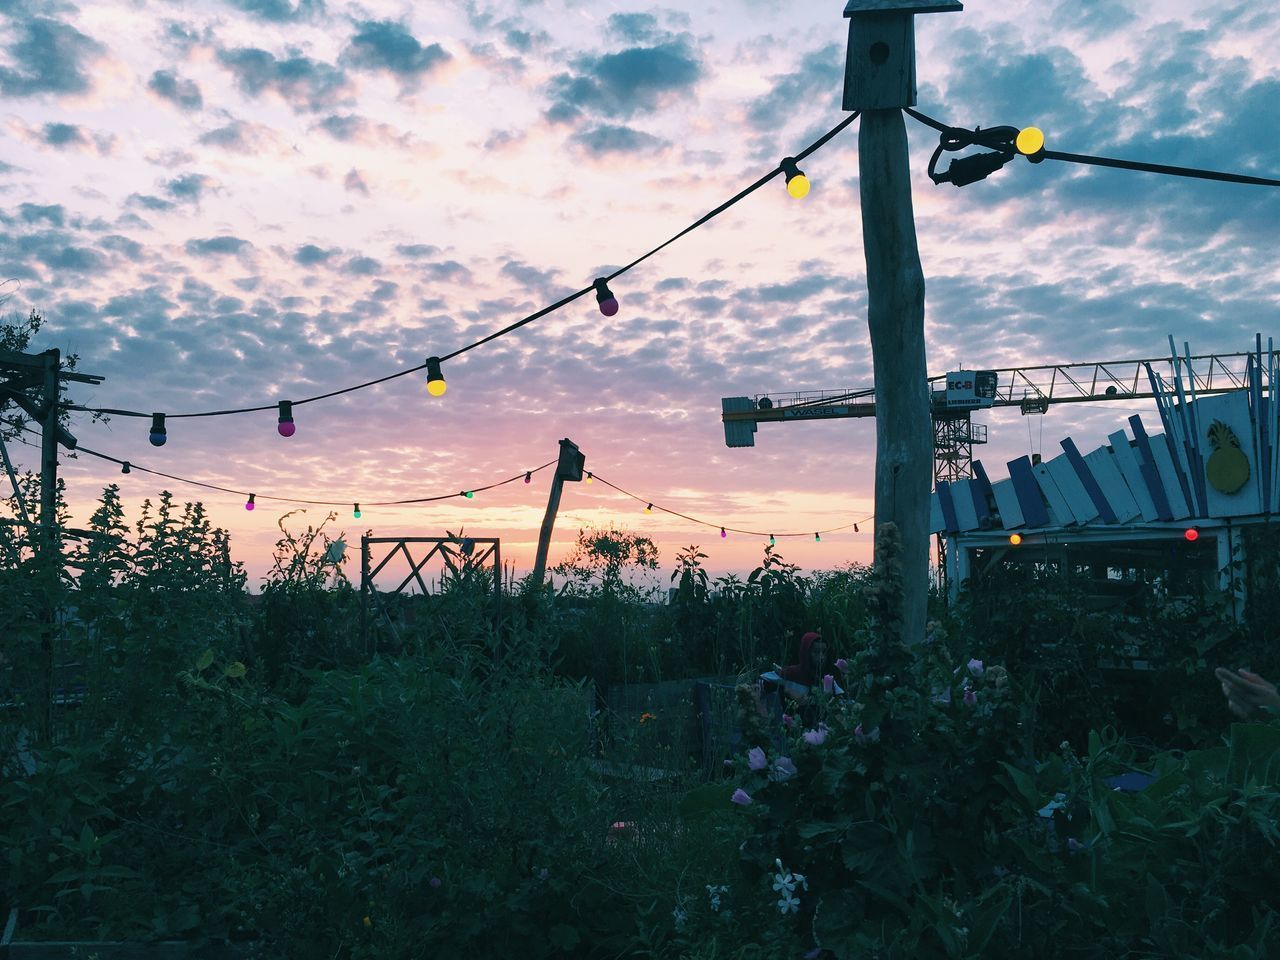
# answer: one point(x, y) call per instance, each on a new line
point(1075, 505)
point(1028, 491)
point(1130, 464)
point(1150, 474)
point(1007, 503)
point(948, 508)
point(1087, 480)
point(1106, 471)
point(936, 523)
point(982, 489)
point(962, 500)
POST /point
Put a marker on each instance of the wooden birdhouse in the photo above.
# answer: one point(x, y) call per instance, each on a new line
point(880, 68)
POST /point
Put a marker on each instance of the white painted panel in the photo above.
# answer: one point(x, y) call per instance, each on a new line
point(936, 523)
point(962, 499)
point(1060, 513)
point(1105, 470)
point(1068, 481)
point(1231, 409)
point(1168, 478)
point(1129, 463)
point(1007, 504)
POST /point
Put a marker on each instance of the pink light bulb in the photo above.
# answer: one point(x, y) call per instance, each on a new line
point(286, 428)
point(609, 306)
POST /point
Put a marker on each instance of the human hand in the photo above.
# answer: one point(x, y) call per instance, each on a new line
point(1246, 691)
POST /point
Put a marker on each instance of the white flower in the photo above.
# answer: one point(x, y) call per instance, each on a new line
point(714, 893)
point(788, 903)
point(679, 916)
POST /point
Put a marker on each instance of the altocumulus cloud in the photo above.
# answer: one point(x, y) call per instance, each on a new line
point(303, 83)
point(48, 56)
point(607, 139)
point(280, 11)
point(636, 80)
point(216, 246)
point(184, 94)
point(383, 45)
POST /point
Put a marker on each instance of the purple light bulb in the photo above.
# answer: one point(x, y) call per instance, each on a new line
point(609, 307)
point(286, 428)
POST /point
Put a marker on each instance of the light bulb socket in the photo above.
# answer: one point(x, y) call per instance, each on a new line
point(124, 467)
point(528, 476)
point(434, 376)
point(789, 169)
point(356, 512)
point(250, 503)
point(158, 433)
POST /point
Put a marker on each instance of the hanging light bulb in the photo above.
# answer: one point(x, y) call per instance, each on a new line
point(797, 182)
point(248, 504)
point(608, 302)
point(589, 476)
point(435, 379)
point(1191, 534)
point(771, 540)
point(1030, 143)
point(1015, 538)
point(158, 433)
point(855, 528)
point(723, 535)
point(469, 494)
point(817, 538)
point(356, 512)
point(124, 467)
point(649, 508)
point(528, 476)
point(286, 425)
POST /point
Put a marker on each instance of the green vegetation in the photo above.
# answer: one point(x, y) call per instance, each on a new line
point(181, 760)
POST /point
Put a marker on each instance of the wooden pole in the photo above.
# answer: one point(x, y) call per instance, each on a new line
point(895, 316)
point(49, 450)
point(568, 467)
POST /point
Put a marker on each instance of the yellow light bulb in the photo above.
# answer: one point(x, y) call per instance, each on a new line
point(436, 387)
point(798, 186)
point(1015, 538)
point(1030, 140)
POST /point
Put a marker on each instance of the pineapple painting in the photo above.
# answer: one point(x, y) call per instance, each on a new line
point(1228, 467)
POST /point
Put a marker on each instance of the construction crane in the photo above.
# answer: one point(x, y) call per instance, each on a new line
point(957, 394)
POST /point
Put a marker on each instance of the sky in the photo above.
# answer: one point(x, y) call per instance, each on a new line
point(225, 204)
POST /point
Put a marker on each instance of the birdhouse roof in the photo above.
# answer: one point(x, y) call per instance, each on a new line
point(901, 6)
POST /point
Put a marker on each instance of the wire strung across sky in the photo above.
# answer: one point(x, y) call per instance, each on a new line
point(525, 475)
point(1003, 139)
point(783, 167)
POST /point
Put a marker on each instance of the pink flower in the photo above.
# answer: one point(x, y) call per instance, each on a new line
point(783, 769)
point(842, 665)
point(861, 737)
point(828, 684)
point(976, 668)
point(788, 720)
point(816, 737)
point(741, 798)
point(970, 698)
point(756, 759)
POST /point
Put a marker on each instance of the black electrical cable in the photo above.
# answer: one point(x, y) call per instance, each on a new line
point(976, 137)
point(742, 194)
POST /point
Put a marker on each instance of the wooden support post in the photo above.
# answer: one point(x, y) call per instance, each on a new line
point(895, 316)
point(569, 467)
point(49, 452)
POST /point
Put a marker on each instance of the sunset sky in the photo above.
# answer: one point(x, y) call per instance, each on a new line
point(227, 204)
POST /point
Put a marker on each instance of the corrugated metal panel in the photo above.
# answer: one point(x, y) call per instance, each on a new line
point(738, 433)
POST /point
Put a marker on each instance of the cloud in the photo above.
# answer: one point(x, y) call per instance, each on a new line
point(634, 27)
point(309, 255)
point(279, 11)
point(417, 250)
point(184, 94)
point(149, 201)
point(362, 266)
point(239, 136)
point(386, 46)
point(531, 278)
point(189, 187)
point(48, 56)
point(447, 271)
point(35, 213)
point(131, 249)
point(635, 80)
point(216, 246)
point(354, 183)
point(606, 139)
point(818, 85)
point(303, 83)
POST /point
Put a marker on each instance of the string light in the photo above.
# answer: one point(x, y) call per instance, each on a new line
point(797, 182)
point(1191, 534)
point(356, 512)
point(772, 541)
point(723, 535)
point(589, 476)
point(855, 528)
point(1015, 538)
point(435, 379)
point(817, 538)
point(528, 476)
point(649, 508)
point(1030, 142)
point(608, 302)
point(248, 504)
point(469, 494)
point(286, 427)
point(158, 434)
